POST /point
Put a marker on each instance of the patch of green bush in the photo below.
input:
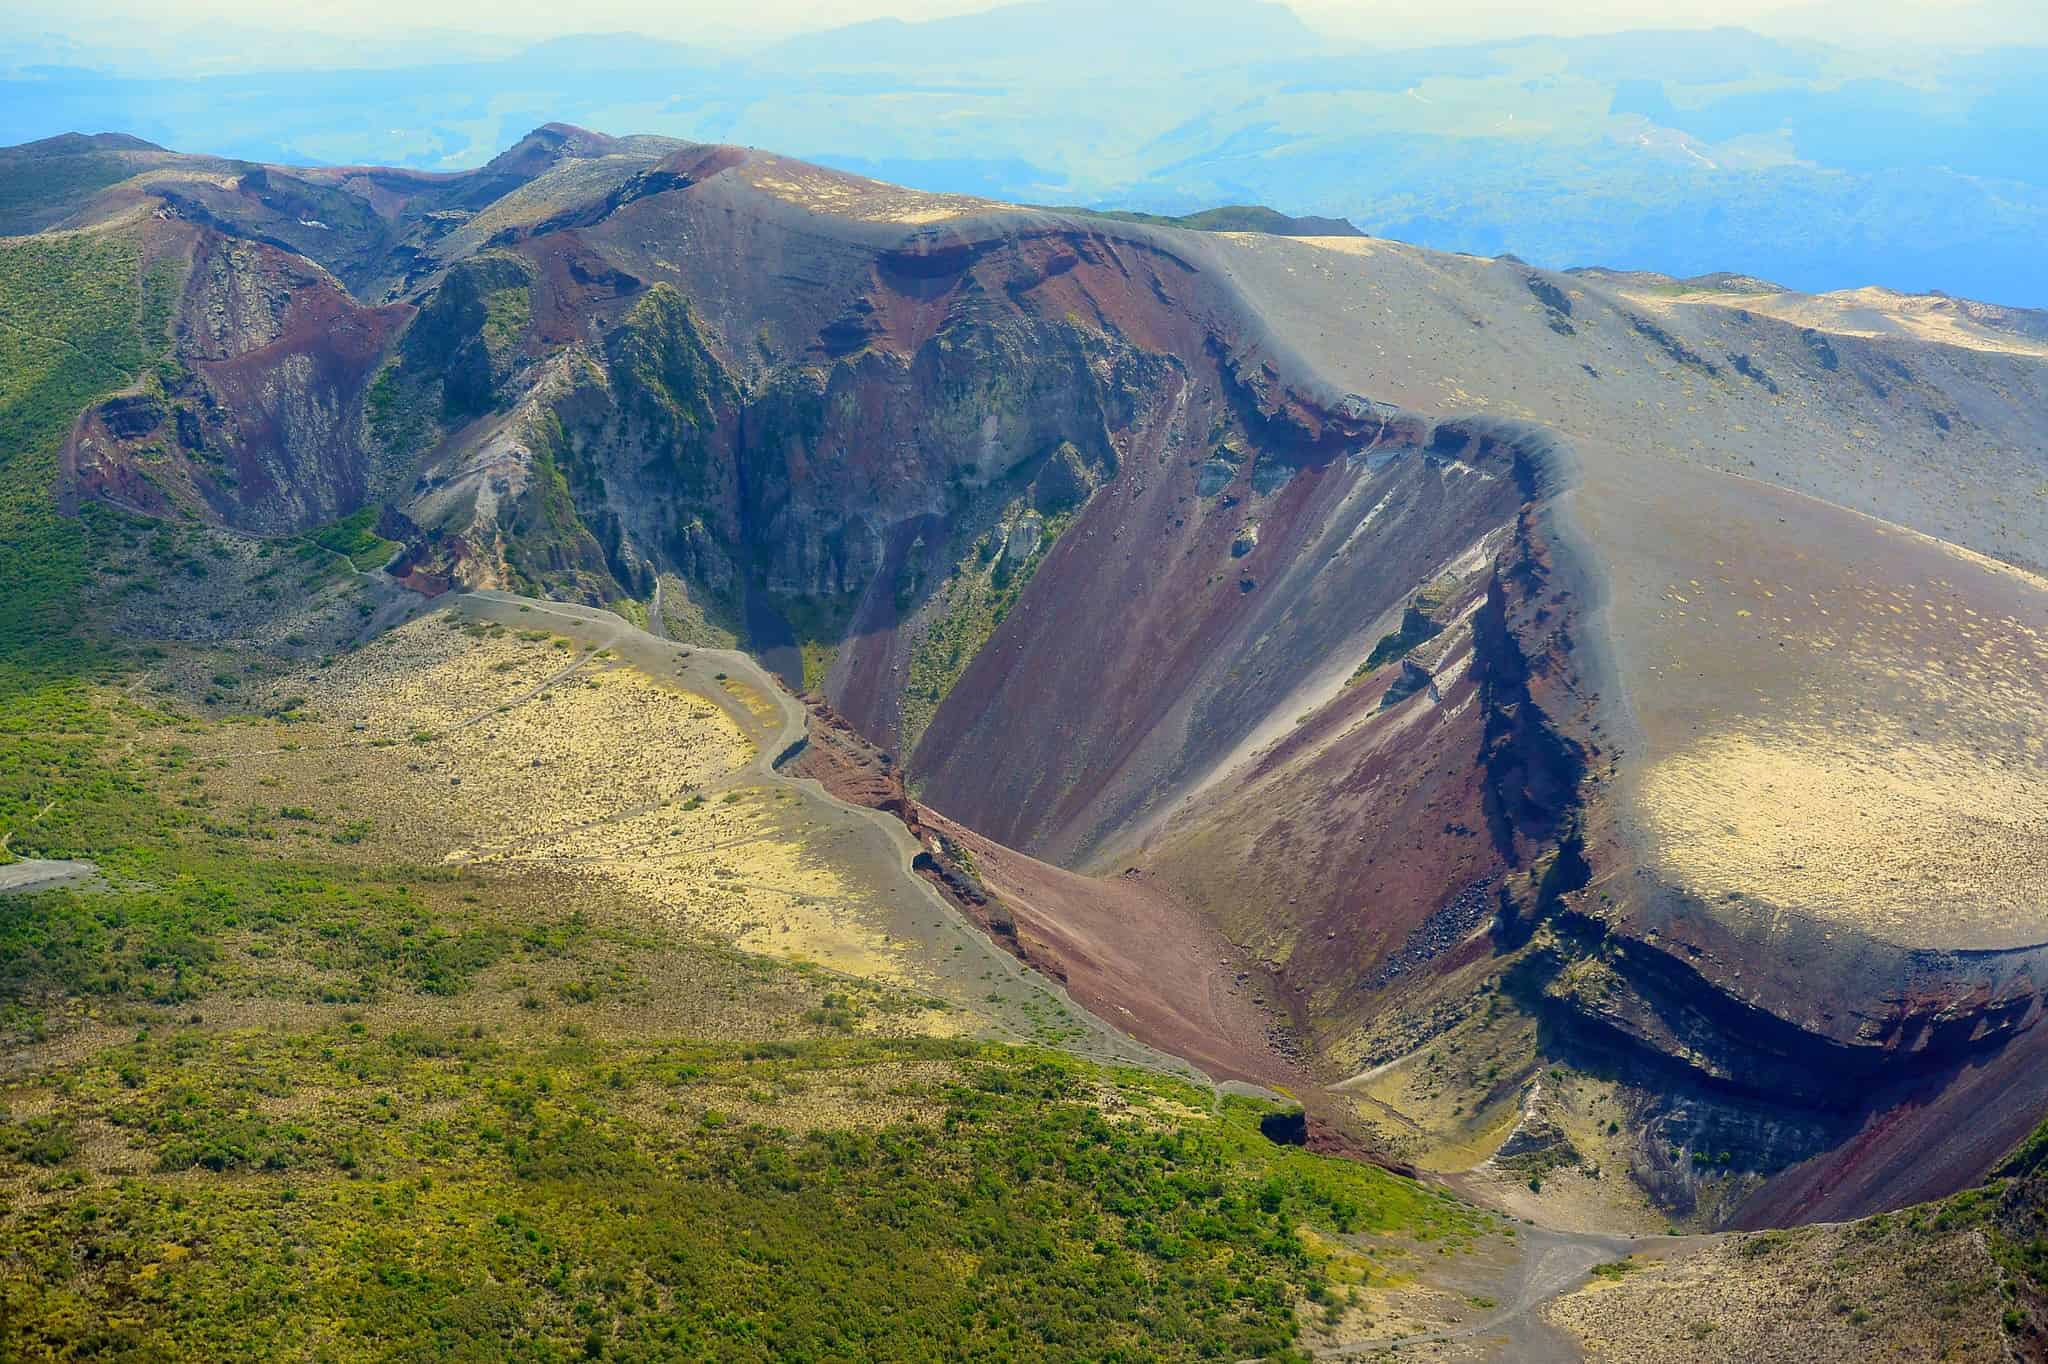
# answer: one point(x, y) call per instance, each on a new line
point(448, 1197)
point(84, 319)
point(354, 538)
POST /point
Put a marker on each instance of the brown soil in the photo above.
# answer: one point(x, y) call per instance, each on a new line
point(1135, 955)
point(1123, 946)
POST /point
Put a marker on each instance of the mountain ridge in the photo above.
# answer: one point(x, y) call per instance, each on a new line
point(1685, 152)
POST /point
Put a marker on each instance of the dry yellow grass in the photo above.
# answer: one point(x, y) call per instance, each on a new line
point(1850, 1294)
point(851, 196)
point(1870, 833)
point(1864, 312)
point(1896, 781)
point(865, 1098)
point(505, 751)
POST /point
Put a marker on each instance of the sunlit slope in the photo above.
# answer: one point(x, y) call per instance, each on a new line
point(1949, 440)
point(1835, 716)
point(1818, 708)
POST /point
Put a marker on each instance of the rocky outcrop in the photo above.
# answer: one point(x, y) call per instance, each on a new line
point(1521, 636)
point(259, 422)
point(1412, 680)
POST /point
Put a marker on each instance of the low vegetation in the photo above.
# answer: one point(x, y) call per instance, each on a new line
point(1417, 628)
point(1957, 1279)
point(819, 624)
point(355, 539)
point(970, 605)
point(80, 318)
point(273, 1095)
point(433, 1193)
point(35, 190)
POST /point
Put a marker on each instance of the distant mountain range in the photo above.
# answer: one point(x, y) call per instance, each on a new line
point(1680, 152)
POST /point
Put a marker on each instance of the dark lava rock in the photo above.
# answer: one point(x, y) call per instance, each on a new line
point(132, 418)
point(1414, 678)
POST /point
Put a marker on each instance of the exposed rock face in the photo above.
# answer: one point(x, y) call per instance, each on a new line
point(1521, 642)
point(1414, 678)
point(1539, 1143)
point(261, 423)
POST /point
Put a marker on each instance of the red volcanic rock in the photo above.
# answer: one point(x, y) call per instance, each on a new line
point(265, 433)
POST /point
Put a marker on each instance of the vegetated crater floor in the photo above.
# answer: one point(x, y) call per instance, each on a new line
point(534, 736)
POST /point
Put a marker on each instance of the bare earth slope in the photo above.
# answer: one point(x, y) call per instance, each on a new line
point(1827, 807)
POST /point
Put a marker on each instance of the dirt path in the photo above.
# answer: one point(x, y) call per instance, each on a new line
point(32, 874)
point(1021, 1004)
point(1543, 1265)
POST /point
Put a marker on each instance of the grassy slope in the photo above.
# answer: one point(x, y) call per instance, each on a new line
point(81, 320)
point(36, 191)
point(445, 1194)
point(355, 539)
point(2019, 1238)
point(285, 1115)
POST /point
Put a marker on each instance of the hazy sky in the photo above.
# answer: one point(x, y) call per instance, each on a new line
point(128, 22)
